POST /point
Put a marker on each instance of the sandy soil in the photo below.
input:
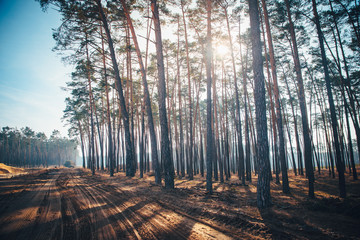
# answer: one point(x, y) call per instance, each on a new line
point(8, 170)
point(72, 204)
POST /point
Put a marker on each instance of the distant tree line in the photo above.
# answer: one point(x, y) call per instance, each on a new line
point(26, 148)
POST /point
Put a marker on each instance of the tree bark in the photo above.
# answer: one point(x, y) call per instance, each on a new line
point(280, 127)
point(191, 140)
point(263, 185)
point(302, 101)
point(334, 124)
point(209, 134)
point(92, 143)
point(110, 142)
point(130, 168)
point(154, 153)
point(165, 144)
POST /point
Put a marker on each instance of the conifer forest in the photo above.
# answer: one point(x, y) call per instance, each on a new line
point(194, 119)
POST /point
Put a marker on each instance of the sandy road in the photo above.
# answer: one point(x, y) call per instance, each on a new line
point(70, 204)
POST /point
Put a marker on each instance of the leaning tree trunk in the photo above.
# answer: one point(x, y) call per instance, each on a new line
point(350, 143)
point(290, 142)
point(298, 150)
point(272, 113)
point(352, 110)
point(302, 101)
point(154, 153)
point(280, 127)
point(130, 166)
point(334, 124)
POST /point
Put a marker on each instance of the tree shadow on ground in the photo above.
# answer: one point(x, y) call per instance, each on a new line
point(285, 225)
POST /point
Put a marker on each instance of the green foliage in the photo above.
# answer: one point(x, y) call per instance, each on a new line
point(27, 148)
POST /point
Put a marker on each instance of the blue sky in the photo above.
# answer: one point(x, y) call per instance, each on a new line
point(30, 73)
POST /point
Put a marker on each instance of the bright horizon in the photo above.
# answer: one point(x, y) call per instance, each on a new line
point(31, 74)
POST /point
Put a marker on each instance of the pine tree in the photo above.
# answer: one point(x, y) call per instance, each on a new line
point(165, 143)
point(263, 185)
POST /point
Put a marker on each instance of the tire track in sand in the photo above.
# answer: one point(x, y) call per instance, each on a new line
point(35, 214)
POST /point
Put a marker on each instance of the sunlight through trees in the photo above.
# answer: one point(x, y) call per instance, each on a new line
point(223, 88)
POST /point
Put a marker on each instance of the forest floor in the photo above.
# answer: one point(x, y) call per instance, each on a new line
point(71, 204)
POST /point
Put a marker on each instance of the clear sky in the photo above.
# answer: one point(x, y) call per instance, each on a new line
point(31, 75)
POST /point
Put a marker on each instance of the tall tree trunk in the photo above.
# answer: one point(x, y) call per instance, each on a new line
point(142, 144)
point(110, 141)
point(247, 138)
point(209, 134)
point(334, 124)
point(154, 153)
point(272, 113)
point(347, 83)
point(291, 147)
point(302, 101)
point(298, 148)
point(350, 143)
point(201, 148)
point(241, 161)
point(176, 141)
point(92, 148)
point(191, 140)
point(130, 168)
point(215, 127)
point(263, 185)
point(165, 144)
point(181, 148)
point(280, 127)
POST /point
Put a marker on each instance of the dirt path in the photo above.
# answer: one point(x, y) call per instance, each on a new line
point(67, 204)
point(30, 208)
point(72, 204)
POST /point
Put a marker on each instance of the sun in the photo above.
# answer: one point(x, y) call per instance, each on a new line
point(221, 50)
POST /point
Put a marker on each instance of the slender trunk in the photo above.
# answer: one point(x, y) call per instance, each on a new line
point(302, 101)
point(209, 134)
point(280, 127)
point(275, 142)
point(215, 127)
point(201, 148)
point(181, 148)
point(298, 148)
point(176, 141)
point(130, 168)
point(110, 142)
point(291, 147)
point(191, 140)
point(352, 161)
point(350, 93)
point(82, 143)
point(241, 161)
point(92, 158)
point(339, 162)
point(154, 153)
point(247, 138)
